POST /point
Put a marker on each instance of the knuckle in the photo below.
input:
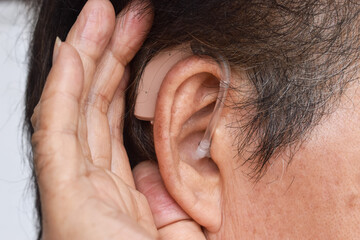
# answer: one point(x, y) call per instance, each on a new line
point(48, 126)
point(47, 145)
point(122, 53)
point(97, 101)
point(56, 99)
point(46, 142)
point(34, 118)
point(101, 161)
point(50, 118)
point(62, 95)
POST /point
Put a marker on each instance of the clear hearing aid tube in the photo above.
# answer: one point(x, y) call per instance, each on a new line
point(203, 149)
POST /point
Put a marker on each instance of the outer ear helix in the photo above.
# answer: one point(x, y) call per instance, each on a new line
point(153, 77)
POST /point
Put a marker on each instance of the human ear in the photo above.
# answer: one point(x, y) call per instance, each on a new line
point(184, 108)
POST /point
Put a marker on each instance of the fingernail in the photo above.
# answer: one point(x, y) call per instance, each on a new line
point(56, 49)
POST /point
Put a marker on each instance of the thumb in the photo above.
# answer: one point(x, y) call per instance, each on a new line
point(171, 221)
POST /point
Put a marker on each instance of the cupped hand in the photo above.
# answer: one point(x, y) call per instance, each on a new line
point(87, 189)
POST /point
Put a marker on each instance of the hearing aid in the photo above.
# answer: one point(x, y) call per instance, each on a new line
point(152, 78)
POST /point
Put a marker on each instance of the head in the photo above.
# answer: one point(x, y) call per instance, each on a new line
point(284, 152)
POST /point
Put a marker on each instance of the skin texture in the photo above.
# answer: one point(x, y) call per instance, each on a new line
point(87, 188)
point(315, 196)
point(89, 192)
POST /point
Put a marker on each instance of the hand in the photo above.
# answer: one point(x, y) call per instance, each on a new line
point(87, 189)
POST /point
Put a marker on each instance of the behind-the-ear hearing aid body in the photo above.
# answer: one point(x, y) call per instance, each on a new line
point(150, 83)
point(151, 79)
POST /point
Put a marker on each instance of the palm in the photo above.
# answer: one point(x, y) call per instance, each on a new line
point(99, 197)
point(90, 177)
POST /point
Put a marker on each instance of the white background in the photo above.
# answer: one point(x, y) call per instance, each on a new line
point(16, 200)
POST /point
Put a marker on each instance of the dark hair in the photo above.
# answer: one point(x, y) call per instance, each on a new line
point(298, 55)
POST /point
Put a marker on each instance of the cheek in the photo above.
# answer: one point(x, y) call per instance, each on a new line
point(291, 200)
point(315, 196)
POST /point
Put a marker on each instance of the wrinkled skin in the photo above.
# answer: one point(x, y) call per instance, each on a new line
point(89, 192)
point(86, 185)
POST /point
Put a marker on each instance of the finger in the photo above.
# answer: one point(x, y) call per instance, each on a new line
point(163, 207)
point(35, 115)
point(57, 153)
point(120, 164)
point(90, 35)
point(185, 229)
point(171, 221)
point(126, 40)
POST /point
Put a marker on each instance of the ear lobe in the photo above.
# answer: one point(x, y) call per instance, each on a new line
point(184, 107)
